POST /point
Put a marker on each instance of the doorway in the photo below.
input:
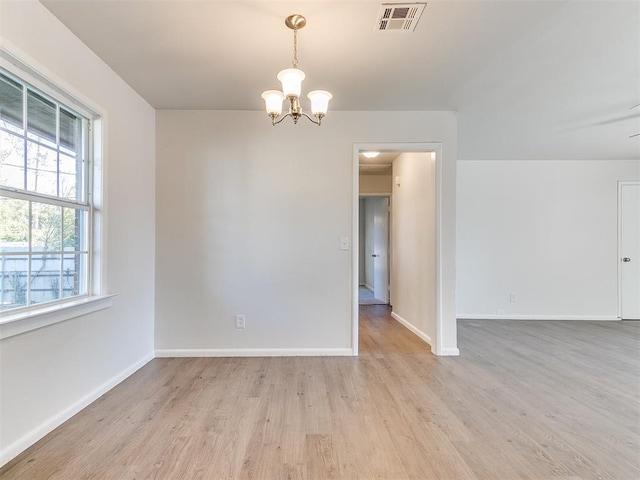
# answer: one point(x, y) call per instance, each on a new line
point(374, 261)
point(422, 300)
point(629, 250)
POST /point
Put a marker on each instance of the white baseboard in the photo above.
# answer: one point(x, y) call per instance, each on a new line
point(506, 316)
point(447, 352)
point(20, 445)
point(368, 287)
point(412, 328)
point(256, 352)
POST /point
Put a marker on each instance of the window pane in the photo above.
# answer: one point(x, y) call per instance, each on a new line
point(71, 178)
point(45, 278)
point(41, 117)
point(68, 164)
point(74, 270)
point(11, 160)
point(14, 225)
point(42, 169)
point(46, 227)
point(68, 186)
point(13, 281)
point(73, 230)
point(10, 104)
point(69, 129)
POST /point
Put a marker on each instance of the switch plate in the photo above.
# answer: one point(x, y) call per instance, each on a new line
point(240, 323)
point(344, 243)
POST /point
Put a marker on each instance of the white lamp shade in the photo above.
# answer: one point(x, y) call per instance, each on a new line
point(273, 101)
point(291, 79)
point(319, 101)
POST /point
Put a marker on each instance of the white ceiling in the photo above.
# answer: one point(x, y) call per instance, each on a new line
point(575, 64)
point(381, 164)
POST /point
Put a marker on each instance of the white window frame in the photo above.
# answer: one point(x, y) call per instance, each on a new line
point(15, 322)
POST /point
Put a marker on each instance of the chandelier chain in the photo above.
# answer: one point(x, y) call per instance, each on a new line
point(295, 48)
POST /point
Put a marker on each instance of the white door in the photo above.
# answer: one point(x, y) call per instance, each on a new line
point(630, 251)
point(381, 249)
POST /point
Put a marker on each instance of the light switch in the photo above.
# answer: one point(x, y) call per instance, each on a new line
point(344, 243)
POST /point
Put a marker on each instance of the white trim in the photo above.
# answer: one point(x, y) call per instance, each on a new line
point(411, 327)
point(34, 318)
point(437, 348)
point(43, 429)
point(447, 352)
point(355, 250)
point(400, 147)
point(621, 184)
point(506, 316)
point(254, 352)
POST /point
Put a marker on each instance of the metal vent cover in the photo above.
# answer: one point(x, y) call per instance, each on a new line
point(400, 17)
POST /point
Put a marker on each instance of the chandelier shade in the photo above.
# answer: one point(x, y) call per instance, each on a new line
point(273, 101)
point(319, 101)
point(291, 80)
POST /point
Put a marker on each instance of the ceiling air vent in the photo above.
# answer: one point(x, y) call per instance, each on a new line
point(400, 17)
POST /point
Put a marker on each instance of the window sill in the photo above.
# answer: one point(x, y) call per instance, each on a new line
point(22, 322)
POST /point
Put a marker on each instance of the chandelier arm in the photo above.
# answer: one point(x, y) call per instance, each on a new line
point(275, 122)
point(316, 121)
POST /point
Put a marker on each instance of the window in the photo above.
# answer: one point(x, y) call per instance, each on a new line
point(46, 209)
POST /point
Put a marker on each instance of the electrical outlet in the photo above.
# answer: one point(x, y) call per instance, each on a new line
point(512, 297)
point(240, 323)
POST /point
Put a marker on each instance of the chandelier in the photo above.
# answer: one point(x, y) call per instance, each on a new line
point(291, 79)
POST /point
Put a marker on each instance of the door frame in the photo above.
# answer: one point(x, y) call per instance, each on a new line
point(389, 246)
point(621, 185)
point(435, 147)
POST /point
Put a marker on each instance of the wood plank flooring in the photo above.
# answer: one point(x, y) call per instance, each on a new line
point(525, 400)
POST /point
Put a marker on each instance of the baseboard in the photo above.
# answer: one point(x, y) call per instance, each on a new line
point(20, 445)
point(412, 328)
point(367, 286)
point(447, 352)
point(506, 316)
point(256, 352)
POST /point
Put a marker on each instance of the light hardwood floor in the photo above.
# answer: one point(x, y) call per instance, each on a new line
point(525, 400)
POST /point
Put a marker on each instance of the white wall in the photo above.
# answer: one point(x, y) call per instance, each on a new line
point(544, 230)
point(47, 374)
point(249, 219)
point(413, 237)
